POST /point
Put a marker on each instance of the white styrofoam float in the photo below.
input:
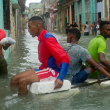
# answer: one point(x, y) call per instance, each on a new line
point(47, 87)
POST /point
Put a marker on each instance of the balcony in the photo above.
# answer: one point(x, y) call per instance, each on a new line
point(15, 4)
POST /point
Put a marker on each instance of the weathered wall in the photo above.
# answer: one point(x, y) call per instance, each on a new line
point(2, 25)
point(106, 10)
point(12, 32)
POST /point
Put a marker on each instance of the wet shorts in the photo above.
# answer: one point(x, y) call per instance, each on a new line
point(80, 77)
point(3, 66)
point(47, 74)
point(86, 33)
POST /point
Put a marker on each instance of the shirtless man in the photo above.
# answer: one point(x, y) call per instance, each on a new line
point(4, 44)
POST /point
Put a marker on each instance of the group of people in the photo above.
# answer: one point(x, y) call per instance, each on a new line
point(69, 26)
point(94, 27)
point(66, 60)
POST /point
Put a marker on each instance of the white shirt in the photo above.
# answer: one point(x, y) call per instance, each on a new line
point(87, 28)
point(98, 31)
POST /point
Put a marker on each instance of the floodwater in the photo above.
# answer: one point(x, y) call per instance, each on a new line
point(24, 57)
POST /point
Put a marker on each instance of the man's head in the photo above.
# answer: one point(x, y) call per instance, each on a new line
point(73, 35)
point(105, 29)
point(68, 24)
point(73, 22)
point(86, 22)
point(35, 25)
point(98, 22)
point(94, 23)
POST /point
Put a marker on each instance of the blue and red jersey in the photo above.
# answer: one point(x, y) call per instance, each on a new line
point(52, 55)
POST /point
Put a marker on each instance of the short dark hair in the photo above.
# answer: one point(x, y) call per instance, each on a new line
point(37, 18)
point(102, 23)
point(86, 22)
point(76, 32)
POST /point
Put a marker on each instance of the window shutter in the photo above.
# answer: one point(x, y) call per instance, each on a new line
point(6, 14)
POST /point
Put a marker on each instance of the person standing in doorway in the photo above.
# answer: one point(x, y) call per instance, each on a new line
point(86, 29)
point(93, 28)
point(98, 28)
point(80, 25)
point(67, 28)
point(74, 25)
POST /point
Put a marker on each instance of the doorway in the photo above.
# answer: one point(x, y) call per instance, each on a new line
point(99, 16)
point(80, 22)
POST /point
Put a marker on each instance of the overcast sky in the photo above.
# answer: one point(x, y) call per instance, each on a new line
point(31, 1)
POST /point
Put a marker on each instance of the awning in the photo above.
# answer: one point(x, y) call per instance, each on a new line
point(22, 5)
point(60, 1)
point(15, 4)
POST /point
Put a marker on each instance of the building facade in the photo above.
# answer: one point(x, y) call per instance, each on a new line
point(9, 18)
point(54, 16)
point(46, 16)
point(65, 14)
point(34, 9)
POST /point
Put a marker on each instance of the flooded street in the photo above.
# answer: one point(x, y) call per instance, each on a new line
point(24, 57)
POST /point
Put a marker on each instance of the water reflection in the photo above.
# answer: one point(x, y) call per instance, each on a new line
point(24, 57)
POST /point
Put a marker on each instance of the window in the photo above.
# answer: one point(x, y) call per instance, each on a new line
point(99, 1)
point(6, 14)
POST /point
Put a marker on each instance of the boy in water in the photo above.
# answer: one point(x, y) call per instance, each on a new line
point(55, 61)
point(77, 56)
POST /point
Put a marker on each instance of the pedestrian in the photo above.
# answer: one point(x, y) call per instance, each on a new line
point(93, 28)
point(67, 28)
point(80, 25)
point(86, 29)
point(54, 60)
point(98, 28)
point(97, 47)
point(74, 25)
point(4, 44)
point(77, 56)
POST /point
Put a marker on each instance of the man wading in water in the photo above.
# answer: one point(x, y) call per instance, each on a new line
point(55, 61)
point(4, 44)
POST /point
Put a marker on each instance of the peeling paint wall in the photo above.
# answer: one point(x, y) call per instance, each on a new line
point(106, 6)
point(12, 32)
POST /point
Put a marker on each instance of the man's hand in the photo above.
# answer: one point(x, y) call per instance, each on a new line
point(58, 84)
point(6, 46)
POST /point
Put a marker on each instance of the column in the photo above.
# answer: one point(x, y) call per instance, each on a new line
point(92, 11)
point(1, 14)
point(83, 11)
point(70, 14)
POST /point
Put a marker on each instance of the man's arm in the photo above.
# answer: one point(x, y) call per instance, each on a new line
point(1, 54)
point(103, 61)
point(84, 26)
point(6, 46)
point(98, 67)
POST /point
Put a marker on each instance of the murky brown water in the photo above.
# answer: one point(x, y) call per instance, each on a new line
point(24, 57)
